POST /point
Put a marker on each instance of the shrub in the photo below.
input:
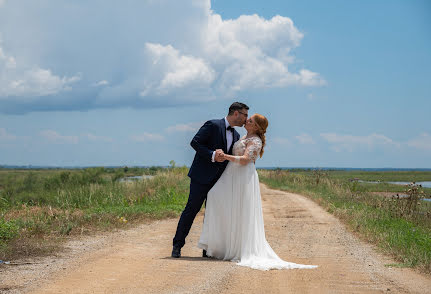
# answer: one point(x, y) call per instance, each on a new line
point(8, 230)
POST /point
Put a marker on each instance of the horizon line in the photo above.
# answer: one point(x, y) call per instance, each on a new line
point(30, 166)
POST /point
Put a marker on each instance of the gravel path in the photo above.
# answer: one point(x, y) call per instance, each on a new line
point(138, 260)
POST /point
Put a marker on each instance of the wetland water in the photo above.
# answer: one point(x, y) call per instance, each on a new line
point(426, 184)
point(423, 184)
point(135, 178)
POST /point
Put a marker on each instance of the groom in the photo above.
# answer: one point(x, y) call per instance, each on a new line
point(214, 138)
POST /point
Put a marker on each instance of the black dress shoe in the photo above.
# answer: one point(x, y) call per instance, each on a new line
point(204, 253)
point(176, 252)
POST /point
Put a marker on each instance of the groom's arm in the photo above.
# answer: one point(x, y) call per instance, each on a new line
point(201, 139)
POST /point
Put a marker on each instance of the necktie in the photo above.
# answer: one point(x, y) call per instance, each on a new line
point(229, 128)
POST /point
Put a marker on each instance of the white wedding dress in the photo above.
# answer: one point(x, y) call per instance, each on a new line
point(233, 225)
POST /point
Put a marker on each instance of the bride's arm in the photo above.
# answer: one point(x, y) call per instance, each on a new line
point(251, 153)
point(243, 160)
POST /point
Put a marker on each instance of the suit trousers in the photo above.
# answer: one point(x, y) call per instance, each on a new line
point(197, 196)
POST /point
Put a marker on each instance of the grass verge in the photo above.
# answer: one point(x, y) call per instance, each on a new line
point(407, 236)
point(39, 209)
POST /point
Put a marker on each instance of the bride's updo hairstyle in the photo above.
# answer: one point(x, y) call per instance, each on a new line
point(262, 124)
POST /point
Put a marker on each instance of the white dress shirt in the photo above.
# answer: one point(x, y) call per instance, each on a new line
point(229, 138)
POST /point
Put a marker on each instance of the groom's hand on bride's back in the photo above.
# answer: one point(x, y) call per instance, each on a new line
point(219, 155)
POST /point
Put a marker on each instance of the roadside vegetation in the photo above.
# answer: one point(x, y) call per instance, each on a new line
point(40, 208)
point(394, 217)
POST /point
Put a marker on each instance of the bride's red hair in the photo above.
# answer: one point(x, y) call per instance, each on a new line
point(262, 124)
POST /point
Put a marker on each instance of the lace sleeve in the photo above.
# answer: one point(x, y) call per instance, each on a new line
point(254, 146)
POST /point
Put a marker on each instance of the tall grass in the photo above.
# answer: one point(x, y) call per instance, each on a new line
point(46, 205)
point(385, 221)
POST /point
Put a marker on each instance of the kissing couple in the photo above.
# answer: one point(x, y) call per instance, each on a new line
point(223, 172)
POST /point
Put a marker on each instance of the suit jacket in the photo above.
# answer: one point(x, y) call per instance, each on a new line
point(211, 136)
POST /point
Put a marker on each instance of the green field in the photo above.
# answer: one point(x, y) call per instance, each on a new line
point(374, 176)
point(40, 208)
point(400, 226)
point(383, 176)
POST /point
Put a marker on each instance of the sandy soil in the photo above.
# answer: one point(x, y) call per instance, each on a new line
point(138, 260)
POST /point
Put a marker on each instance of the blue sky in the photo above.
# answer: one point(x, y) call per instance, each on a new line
point(343, 83)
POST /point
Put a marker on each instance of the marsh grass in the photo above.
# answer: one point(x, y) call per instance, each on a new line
point(38, 209)
point(400, 226)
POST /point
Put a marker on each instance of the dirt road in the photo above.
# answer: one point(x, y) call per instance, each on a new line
point(138, 260)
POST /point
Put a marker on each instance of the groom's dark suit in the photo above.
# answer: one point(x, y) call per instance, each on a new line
point(203, 173)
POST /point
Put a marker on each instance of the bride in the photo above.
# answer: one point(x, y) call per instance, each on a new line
point(233, 225)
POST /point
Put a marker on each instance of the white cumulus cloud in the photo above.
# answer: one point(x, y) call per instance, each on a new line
point(422, 142)
point(350, 142)
point(246, 53)
point(252, 52)
point(5, 136)
point(96, 138)
point(55, 137)
point(147, 137)
point(101, 83)
point(189, 127)
point(16, 80)
point(305, 139)
point(281, 141)
point(171, 71)
point(153, 53)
